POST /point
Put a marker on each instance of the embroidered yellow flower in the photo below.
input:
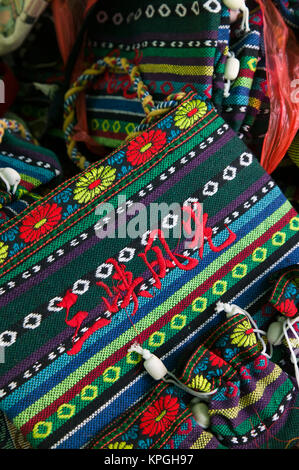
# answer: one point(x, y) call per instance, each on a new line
point(92, 183)
point(188, 113)
point(120, 445)
point(3, 252)
point(294, 343)
point(200, 383)
point(243, 335)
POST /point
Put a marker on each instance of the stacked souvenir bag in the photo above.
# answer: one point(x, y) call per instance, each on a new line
point(24, 165)
point(27, 169)
point(81, 304)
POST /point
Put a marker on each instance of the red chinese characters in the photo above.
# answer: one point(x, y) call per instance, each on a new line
point(127, 288)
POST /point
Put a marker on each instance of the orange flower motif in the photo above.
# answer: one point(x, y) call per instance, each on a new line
point(160, 415)
point(39, 222)
point(144, 146)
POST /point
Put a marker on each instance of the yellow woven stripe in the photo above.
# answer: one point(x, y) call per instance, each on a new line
point(203, 441)
point(252, 397)
point(294, 150)
point(177, 69)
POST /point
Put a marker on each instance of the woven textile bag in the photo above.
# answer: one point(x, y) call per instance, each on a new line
point(178, 47)
point(35, 166)
point(72, 304)
point(250, 405)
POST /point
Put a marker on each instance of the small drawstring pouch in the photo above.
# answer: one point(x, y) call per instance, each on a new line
point(254, 410)
point(283, 331)
point(239, 96)
point(161, 421)
point(164, 418)
point(150, 110)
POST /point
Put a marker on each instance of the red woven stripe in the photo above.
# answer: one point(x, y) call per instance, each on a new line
point(166, 318)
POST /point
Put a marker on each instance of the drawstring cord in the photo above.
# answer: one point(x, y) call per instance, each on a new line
point(287, 324)
point(115, 64)
point(232, 309)
point(155, 367)
point(15, 127)
point(240, 5)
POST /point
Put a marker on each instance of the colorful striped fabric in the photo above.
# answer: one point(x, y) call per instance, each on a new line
point(68, 299)
point(36, 166)
point(178, 46)
point(251, 396)
point(290, 12)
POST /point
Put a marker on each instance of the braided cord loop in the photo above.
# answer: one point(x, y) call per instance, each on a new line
point(118, 65)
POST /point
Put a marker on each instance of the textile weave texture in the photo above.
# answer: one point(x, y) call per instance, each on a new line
point(66, 330)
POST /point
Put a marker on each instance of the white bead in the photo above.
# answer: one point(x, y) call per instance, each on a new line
point(201, 414)
point(274, 333)
point(233, 15)
point(234, 4)
point(10, 177)
point(231, 310)
point(155, 367)
point(232, 68)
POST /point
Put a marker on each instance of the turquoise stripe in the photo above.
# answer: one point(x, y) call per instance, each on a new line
point(122, 321)
point(42, 174)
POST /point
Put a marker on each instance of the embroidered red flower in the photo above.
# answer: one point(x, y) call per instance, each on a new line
point(160, 415)
point(261, 362)
point(288, 308)
point(216, 360)
point(144, 146)
point(231, 390)
point(39, 222)
point(245, 374)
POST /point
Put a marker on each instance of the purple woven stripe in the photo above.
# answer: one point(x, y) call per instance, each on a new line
point(275, 428)
point(240, 200)
point(257, 94)
point(34, 155)
point(259, 405)
point(16, 292)
point(194, 435)
point(88, 244)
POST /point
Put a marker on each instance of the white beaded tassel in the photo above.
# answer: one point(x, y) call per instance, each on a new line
point(232, 68)
point(200, 412)
point(152, 364)
point(239, 5)
point(157, 370)
point(277, 331)
point(11, 178)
